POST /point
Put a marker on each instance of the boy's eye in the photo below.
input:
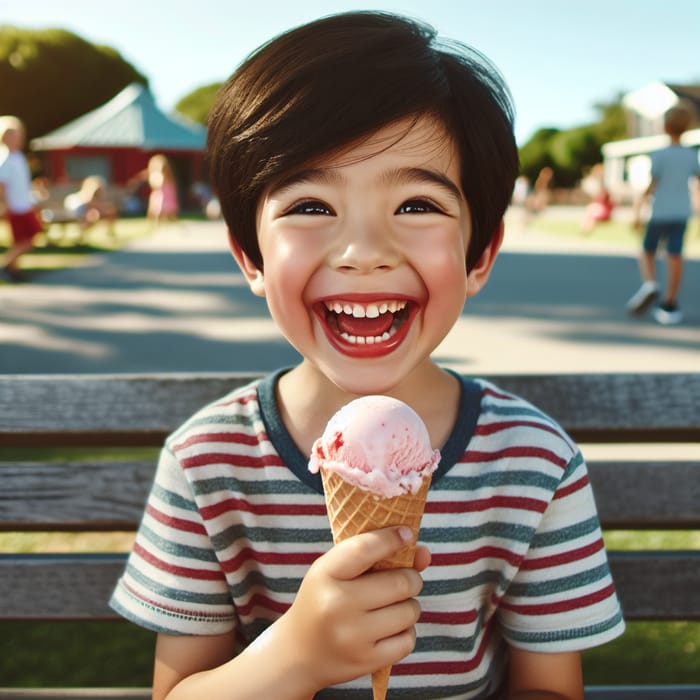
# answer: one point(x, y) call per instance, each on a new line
point(417, 206)
point(311, 208)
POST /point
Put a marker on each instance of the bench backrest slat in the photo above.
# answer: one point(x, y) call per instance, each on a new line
point(108, 495)
point(651, 585)
point(133, 409)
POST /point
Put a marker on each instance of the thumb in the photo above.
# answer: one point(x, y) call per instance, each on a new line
point(358, 554)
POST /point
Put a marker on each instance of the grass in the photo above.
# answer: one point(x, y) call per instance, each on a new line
point(67, 246)
point(611, 232)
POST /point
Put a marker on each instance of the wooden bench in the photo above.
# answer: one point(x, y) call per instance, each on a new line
point(128, 411)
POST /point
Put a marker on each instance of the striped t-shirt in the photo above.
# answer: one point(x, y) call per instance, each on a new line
point(234, 520)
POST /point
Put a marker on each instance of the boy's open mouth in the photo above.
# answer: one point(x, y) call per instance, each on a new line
point(365, 323)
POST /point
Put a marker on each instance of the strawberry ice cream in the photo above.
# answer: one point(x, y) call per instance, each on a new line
point(378, 444)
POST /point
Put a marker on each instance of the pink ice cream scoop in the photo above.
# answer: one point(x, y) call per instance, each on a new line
point(378, 444)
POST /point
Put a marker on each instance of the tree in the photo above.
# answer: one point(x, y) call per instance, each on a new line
point(198, 103)
point(572, 152)
point(535, 154)
point(52, 76)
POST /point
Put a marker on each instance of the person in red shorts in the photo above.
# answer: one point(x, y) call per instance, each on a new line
point(16, 191)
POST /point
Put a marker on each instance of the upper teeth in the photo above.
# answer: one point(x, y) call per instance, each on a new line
point(362, 310)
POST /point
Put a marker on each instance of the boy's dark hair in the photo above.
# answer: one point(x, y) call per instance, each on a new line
point(678, 119)
point(321, 86)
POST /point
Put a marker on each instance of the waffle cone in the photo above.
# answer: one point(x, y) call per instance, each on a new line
point(352, 511)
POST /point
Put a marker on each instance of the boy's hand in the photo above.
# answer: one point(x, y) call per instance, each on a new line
point(347, 620)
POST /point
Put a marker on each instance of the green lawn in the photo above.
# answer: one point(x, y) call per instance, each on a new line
point(613, 232)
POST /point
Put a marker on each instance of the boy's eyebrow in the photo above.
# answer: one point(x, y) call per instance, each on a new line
point(434, 177)
point(322, 175)
point(397, 175)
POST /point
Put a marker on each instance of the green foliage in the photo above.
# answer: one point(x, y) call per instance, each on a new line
point(571, 152)
point(198, 103)
point(52, 76)
point(535, 154)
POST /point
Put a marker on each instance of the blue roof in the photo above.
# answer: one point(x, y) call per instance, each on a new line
point(131, 119)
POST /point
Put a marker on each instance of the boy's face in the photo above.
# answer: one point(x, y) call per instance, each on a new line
point(364, 256)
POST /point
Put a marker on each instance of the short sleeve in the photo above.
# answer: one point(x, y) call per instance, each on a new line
point(562, 597)
point(173, 582)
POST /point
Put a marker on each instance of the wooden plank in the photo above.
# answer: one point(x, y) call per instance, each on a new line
point(651, 585)
point(74, 496)
point(141, 409)
point(75, 693)
point(647, 495)
point(641, 692)
point(657, 585)
point(675, 692)
point(104, 410)
point(100, 496)
point(58, 586)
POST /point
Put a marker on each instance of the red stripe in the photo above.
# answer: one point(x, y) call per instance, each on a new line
point(235, 438)
point(243, 400)
point(499, 395)
point(175, 523)
point(261, 601)
point(159, 605)
point(469, 557)
point(491, 428)
point(271, 558)
point(482, 504)
point(564, 557)
point(186, 571)
point(448, 618)
point(241, 505)
point(428, 668)
point(517, 452)
point(572, 488)
point(234, 460)
point(562, 605)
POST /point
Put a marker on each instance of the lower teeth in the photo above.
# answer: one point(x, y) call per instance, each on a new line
point(367, 340)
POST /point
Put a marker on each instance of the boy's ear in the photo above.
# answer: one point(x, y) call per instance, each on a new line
point(479, 273)
point(253, 275)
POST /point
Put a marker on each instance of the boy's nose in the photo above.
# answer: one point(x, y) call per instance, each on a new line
point(364, 247)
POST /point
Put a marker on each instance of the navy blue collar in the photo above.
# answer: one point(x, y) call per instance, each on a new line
point(452, 451)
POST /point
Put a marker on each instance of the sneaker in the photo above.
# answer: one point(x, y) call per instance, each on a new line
point(643, 298)
point(668, 314)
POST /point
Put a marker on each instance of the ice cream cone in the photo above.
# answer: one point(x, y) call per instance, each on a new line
point(353, 510)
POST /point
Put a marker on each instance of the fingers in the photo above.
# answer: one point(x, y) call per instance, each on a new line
point(356, 555)
point(422, 559)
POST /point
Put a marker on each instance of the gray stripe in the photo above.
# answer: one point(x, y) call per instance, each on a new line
point(557, 585)
point(565, 534)
point(565, 634)
point(181, 595)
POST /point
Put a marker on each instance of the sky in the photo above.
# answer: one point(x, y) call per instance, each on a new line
point(560, 59)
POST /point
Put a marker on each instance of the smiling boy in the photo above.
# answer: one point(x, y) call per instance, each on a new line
point(363, 171)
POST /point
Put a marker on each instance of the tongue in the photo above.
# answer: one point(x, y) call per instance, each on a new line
point(365, 326)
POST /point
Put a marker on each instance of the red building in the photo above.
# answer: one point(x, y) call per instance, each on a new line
point(116, 140)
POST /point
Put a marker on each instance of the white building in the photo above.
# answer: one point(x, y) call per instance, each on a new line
point(627, 163)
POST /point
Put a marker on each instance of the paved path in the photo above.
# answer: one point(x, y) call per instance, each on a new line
point(175, 302)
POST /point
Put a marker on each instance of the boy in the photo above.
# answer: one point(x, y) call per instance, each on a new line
point(671, 169)
point(16, 191)
point(363, 171)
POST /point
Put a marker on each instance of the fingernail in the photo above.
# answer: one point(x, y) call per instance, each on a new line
point(406, 534)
